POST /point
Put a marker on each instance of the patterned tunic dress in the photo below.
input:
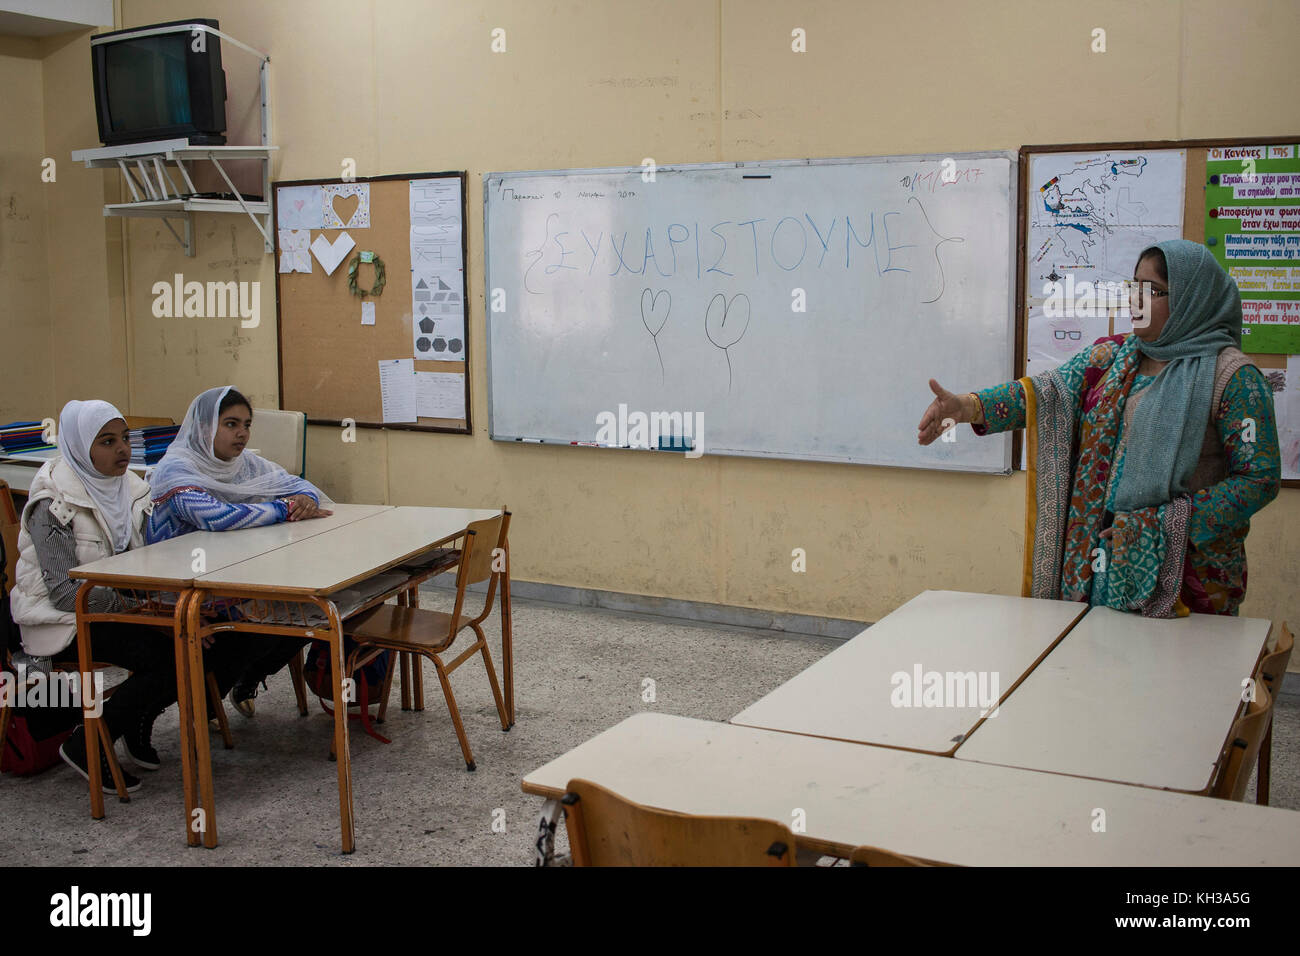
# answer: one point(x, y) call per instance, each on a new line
point(1214, 570)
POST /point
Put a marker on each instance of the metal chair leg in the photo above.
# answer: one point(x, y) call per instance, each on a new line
point(1264, 767)
point(455, 712)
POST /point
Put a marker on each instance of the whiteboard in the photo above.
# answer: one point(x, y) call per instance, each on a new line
point(792, 309)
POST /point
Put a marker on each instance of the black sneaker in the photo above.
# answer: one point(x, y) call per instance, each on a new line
point(137, 745)
point(242, 697)
point(73, 753)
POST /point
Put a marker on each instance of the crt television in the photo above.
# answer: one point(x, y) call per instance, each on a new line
point(160, 82)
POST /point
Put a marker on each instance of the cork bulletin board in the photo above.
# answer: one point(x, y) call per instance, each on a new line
point(332, 340)
point(1074, 210)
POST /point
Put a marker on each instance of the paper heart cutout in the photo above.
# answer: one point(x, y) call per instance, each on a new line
point(330, 254)
point(649, 301)
point(349, 203)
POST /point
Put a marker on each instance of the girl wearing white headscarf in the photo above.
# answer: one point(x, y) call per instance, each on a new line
point(85, 505)
point(207, 482)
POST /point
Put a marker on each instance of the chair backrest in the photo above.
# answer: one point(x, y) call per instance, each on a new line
point(606, 829)
point(875, 856)
point(1272, 669)
point(478, 554)
point(8, 513)
point(10, 636)
point(281, 437)
point(1243, 746)
point(9, 534)
point(482, 538)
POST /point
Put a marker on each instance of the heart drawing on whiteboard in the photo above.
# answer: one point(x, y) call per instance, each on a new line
point(330, 254)
point(653, 319)
point(715, 323)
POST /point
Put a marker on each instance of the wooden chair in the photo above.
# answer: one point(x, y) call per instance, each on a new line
point(9, 533)
point(413, 630)
point(1271, 671)
point(281, 437)
point(421, 568)
point(875, 856)
point(606, 829)
point(8, 513)
point(1243, 747)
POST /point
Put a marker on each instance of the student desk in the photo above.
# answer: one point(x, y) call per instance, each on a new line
point(850, 694)
point(932, 808)
point(19, 476)
point(1129, 699)
point(153, 575)
point(304, 574)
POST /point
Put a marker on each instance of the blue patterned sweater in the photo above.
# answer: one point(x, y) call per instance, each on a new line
point(192, 509)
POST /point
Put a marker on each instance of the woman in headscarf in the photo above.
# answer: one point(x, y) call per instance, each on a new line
point(206, 481)
point(1148, 453)
point(85, 505)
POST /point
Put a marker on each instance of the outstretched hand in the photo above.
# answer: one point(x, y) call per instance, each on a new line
point(946, 407)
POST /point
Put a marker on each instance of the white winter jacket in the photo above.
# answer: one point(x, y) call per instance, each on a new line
point(46, 630)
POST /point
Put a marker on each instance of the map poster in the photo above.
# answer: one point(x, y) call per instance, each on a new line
point(1252, 225)
point(1090, 216)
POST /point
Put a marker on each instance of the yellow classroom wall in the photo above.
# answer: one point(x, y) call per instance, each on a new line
point(89, 331)
point(24, 284)
point(411, 85)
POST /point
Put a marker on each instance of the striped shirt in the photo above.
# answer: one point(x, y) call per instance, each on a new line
point(192, 509)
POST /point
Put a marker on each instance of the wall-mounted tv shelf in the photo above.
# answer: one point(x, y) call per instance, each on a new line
point(145, 168)
point(155, 192)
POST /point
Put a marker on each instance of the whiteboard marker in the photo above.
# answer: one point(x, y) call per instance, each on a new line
point(533, 441)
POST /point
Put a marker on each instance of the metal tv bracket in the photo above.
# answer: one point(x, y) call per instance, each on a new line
point(144, 165)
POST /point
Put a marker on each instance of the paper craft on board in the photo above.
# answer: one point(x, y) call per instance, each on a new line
point(294, 250)
point(299, 207)
point(360, 216)
point(330, 254)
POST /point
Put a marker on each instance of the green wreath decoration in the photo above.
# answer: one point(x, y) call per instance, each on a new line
point(381, 277)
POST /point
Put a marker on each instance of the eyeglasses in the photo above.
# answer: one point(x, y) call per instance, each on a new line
point(1063, 334)
point(1142, 289)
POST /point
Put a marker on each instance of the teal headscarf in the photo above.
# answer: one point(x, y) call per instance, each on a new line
point(1168, 427)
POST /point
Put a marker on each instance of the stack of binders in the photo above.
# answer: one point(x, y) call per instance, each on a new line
point(149, 444)
point(18, 437)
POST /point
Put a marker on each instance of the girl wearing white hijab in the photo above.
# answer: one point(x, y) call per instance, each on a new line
point(85, 505)
point(207, 482)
